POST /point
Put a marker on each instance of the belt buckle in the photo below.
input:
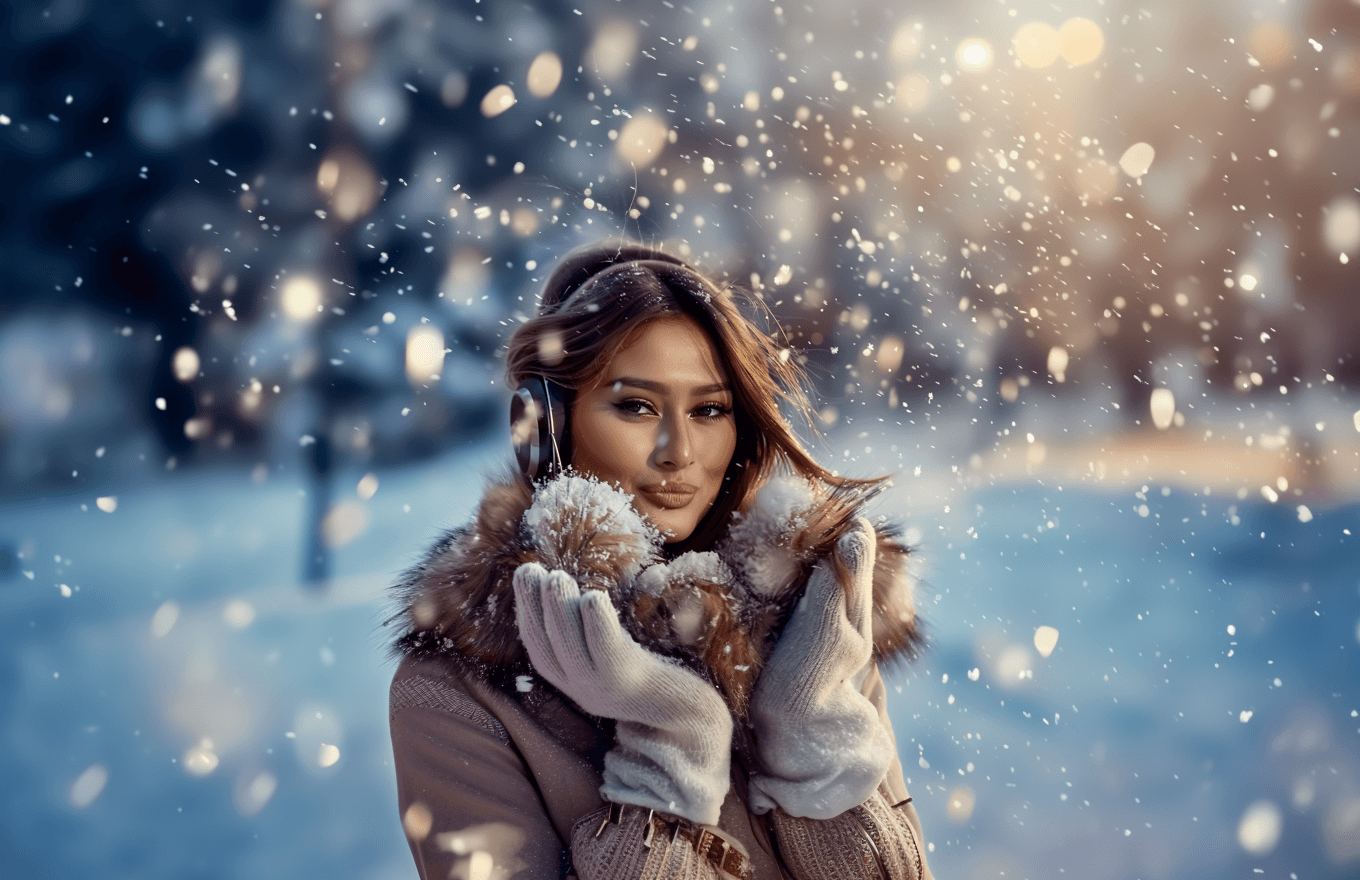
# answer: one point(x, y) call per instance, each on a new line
point(650, 833)
point(613, 817)
point(720, 853)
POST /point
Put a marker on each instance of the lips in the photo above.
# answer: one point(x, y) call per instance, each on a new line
point(670, 496)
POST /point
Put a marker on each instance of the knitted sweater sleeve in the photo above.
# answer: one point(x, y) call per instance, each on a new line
point(881, 839)
point(633, 843)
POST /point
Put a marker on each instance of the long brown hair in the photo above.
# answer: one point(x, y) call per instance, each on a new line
point(596, 302)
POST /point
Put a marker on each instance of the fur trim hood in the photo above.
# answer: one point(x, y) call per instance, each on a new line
point(718, 612)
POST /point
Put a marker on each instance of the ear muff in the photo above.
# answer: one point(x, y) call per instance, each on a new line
point(538, 428)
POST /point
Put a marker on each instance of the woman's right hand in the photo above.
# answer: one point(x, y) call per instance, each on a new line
point(674, 732)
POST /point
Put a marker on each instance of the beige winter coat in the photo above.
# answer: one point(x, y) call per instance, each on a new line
point(498, 774)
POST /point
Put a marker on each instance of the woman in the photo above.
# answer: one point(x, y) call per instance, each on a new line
point(653, 653)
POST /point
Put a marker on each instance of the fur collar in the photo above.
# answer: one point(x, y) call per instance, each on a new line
point(718, 612)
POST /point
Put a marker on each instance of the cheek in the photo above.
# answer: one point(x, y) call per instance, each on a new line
point(720, 450)
point(609, 451)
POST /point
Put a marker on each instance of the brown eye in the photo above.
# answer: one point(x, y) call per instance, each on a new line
point(634, 407)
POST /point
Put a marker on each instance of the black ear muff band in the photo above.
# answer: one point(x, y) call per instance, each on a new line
point(538, 428)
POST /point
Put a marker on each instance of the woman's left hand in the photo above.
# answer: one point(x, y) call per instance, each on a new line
point(821, 746)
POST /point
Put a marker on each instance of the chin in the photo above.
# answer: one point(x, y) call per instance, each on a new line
point(672, 528)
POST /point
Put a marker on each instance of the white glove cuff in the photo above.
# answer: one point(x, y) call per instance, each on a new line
point(649, 772)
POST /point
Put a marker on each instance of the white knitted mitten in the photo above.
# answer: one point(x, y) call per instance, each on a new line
point(820, 744)
point(674, 733)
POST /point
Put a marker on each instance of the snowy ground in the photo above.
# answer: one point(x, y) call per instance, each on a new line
point(174, 705)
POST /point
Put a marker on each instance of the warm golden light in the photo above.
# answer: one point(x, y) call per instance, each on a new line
point(350, 186)
point(524, 222)
point(642, 139)
point(913, 91)
point(198, 427)
point(417, 820)
point(889, 357)
point(1045, 640)
point(961, 804)
point(424, 354)
point(1082, 41)
point(498, 100)
point(1137, 159)
point(1037, 44)
point(301, 298)
point(974, 54)
point(1162, 407)
point(327, 176)
point(344, 522)
point(907, 41)
point(1057, 363)
point(611, 53)
point(545, 74)
point(1258, 831)
point(1341, 225)
point(186, 364)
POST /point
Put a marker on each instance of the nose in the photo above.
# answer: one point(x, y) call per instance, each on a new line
point(673, 451)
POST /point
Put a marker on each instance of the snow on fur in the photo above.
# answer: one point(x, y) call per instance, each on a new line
point(770, 564)
point(716, 612)
point(590, 530)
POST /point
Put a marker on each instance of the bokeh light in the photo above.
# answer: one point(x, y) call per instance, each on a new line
point(1045, 640)
point(498, 100)
point(962, 801)
point(1162, 407)
point(1258, 831)
point(907, 41)
point(1137, 159)
point(545, 74)
point(424, 354)
point(348, 184)
point(642, 139)
point(913, 91)
point(186, 364)
point(1037, 44)
point(974, 54)
point(88, 786)
point(1341, 225)
point(611, 53)
point(1082, 41)
point(301, 298)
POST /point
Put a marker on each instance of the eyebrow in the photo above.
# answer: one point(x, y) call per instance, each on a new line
point(661, 388)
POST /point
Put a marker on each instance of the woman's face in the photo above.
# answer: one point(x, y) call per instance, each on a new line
point(659, 425)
